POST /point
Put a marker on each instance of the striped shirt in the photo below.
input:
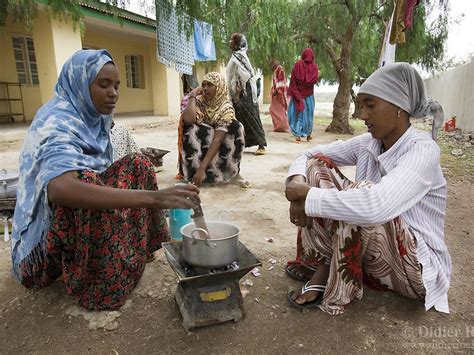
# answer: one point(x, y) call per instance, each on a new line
point(409, 183)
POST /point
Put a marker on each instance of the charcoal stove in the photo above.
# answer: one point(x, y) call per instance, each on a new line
point(209, 296)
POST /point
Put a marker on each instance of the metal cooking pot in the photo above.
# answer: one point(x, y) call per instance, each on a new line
point(214, 252)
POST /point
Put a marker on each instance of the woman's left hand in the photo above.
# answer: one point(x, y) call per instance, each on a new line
point(298, 215)
point(198, 177)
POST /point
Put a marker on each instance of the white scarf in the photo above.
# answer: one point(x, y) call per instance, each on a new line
point(244, 72)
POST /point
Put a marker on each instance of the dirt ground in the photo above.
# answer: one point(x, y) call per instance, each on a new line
point(49, 321)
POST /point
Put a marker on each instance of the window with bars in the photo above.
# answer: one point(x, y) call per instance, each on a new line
point(134, 71)
point(25, 60)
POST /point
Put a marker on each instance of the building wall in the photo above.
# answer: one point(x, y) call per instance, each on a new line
point(55, 41)
point(131, 99)
point(454, 89)
point(31, 93)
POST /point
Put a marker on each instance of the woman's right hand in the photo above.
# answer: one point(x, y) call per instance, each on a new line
point(238, 90)
point(180, 196)
point(197, 91)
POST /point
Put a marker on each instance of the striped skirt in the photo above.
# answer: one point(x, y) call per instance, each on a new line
point(383, 256)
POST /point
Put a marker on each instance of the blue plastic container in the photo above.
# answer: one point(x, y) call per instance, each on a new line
point(178, 218)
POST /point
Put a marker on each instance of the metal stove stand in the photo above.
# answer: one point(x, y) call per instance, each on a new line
point(206, 298)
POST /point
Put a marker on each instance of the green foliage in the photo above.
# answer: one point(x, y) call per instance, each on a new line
point(424, 42)
point(19, 11)
point(26, 10)
point(281, 29)
point(267, 24)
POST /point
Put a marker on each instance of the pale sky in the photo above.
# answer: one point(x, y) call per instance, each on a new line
point(461, 36)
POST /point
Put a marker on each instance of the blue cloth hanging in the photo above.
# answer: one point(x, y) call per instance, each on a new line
point(204, 46)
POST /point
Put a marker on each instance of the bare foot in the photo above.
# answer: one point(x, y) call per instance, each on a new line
point(320, 277)
point(300, 272)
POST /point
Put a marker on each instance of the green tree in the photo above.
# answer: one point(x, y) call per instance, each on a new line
point(267, 24)
point(346, 34)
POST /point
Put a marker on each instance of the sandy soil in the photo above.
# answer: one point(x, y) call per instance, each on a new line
point(49, 321)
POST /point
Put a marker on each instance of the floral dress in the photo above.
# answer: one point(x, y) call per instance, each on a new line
point(102, 253)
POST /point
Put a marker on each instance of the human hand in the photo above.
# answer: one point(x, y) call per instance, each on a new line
point(197, 91)
point(184, 196)
point(238, 89)
point(325, 160)
point(198, 177)
point(296, 189)
point(298, 215)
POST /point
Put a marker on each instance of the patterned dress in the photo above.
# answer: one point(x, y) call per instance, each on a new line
point(382, 256)
point(278, 106)
point(226, 164)
point(102, 253)
point(194, 140)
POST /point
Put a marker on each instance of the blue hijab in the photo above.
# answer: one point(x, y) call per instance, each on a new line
point(67, 134)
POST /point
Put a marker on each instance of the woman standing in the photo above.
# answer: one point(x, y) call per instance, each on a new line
point(301, 110)
point(78, 214)
point(241, 83)
point(211, 140)
point(386, 229)
point(279, 105)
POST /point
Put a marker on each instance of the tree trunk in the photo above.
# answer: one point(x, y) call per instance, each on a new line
point(357, 108)
point(340, 114)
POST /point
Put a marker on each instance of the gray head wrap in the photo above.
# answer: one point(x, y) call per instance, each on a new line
point(401, 85)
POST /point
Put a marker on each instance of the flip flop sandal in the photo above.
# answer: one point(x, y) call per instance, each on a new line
point(295, 275)
point(304, 289)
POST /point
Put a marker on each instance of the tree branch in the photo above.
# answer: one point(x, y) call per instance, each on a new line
point(308, 36)
point(351, 8)
point(377, 16)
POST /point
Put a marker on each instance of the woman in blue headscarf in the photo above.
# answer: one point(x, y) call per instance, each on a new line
point(77, 214)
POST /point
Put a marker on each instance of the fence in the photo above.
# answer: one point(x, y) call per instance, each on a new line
point(454, 89)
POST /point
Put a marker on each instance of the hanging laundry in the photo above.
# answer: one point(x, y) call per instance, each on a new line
point(397, 34)
point(204, 47)
point(409, 12)
point(387, 54)
point(173, 45)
